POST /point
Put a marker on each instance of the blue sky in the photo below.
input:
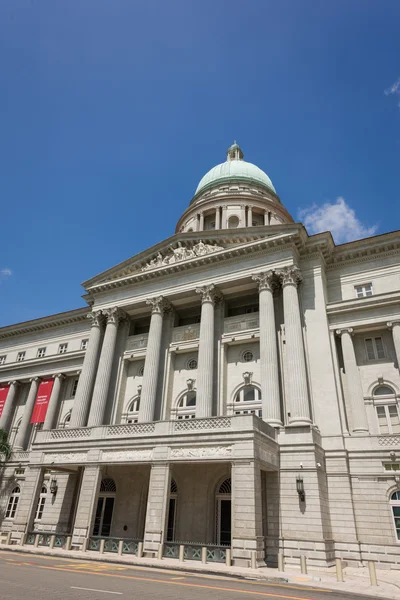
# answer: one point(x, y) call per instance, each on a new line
point(112, 111)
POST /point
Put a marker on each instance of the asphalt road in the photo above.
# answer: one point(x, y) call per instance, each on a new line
point(29, 577)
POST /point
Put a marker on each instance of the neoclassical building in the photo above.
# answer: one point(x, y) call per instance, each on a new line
point(234, 386)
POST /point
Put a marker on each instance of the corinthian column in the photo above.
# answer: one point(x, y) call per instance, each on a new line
point(20, 438)
point(358, 411)
point(159, 306)
point(102, 384)
point(54, 403)
point(295, 359)
point(9, 406)
point(209, 295)
point(84, 390)
point(271, 408)
point(395, 327)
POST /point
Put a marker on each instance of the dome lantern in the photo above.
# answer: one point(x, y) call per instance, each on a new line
point(234, 152)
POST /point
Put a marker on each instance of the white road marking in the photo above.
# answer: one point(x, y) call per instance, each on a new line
point(92, 590)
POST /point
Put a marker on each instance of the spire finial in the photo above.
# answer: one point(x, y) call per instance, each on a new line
point(234, 152)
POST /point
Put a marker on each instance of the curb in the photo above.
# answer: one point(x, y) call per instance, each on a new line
point(149, 565)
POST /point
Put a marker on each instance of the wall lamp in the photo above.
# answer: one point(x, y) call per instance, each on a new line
point(53, 486)
point(300, 488)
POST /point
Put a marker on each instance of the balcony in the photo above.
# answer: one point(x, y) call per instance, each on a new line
point(136, 342)
point(186, 333)
point(242, 323)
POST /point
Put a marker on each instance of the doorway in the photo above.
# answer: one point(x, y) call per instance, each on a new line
point(224, 513)
point(105, 508)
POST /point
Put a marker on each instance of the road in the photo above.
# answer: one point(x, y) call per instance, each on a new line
point(27, 577)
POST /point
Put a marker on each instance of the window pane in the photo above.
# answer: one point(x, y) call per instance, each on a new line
point(383, 426)
point(249, 395)
point(370, 348)
point(383, 390)
point(394, 419)
point(379, 347)
point(191, 399)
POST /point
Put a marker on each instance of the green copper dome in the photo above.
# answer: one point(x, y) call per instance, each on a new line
point(235, 168)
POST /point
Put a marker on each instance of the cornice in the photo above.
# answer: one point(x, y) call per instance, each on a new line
point(46, 363)
point(360, 251)
point(56, 320)
point(359, 304)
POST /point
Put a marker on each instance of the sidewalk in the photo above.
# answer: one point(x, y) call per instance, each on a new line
point(356, 580)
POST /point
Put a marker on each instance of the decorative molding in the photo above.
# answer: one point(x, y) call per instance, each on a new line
point(201, 452)
point(289, 275)
point(67, 457)
point(159, 304)
point(209, 293)
point(190, 383)
point(114, 315)
point(125, 455)
point(391, 324)
point(266, 280)
point(180, 253)
point(247, 377)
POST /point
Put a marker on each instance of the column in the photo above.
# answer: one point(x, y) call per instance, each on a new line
point(159, 305)
point(224, 217)
point(395, 327)
point(54, 403)
point(9, 406)
point(358, 411)
point(270, 393)
point(20, 438)
point(247, 517)
point(87, 504)
point(295, 359)
point(250, 216)
point(27, 505)
point(218, 218)
point(83, 395)
point(201, 226)
point(209, 296)
point(157, 507)
point(102, 384)
point(266, 219)
point(242, 218)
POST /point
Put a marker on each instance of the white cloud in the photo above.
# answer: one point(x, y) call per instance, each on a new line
point(338, 218)
point(394, 89)
point(5, 273)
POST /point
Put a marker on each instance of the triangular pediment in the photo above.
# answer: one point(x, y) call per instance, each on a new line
point(189, 250)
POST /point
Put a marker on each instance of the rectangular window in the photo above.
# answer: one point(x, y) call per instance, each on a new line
point(74, 387)
point(374, 347)
point(3, 359)
point(62, 348)
point(41, 352)
point(84, 344)
point(388, 419)
point(40, 508)
point(21, 356)
point(362, 291)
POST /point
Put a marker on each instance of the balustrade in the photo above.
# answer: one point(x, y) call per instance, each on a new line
point(136, 342)
point(186, 333)
point(242, 323)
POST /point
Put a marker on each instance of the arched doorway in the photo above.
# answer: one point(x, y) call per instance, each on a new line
point(173, 495)
point(224, 513)
point(105, 508)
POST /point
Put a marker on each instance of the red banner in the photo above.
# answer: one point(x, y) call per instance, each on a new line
point(42, 401)
point(3, 396)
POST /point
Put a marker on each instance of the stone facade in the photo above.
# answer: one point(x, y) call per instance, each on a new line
point(237, 385)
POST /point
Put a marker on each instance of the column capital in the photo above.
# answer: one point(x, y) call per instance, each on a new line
point(34, 379)
point(15, 382)
point(266, 280)
point(114, 315)
point(250, 205)
point(60, 376)
point(96, 317)
point(348, 330)
point(289, 275)
point(209, 293)
point(391, 324)
point(159, 305)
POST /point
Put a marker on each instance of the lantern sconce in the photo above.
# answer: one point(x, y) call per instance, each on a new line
point(300, 488)
point(53, 486)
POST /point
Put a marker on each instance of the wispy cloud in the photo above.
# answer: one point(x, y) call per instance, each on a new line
point(4, 273)
point(338, 218)
point(394, 90)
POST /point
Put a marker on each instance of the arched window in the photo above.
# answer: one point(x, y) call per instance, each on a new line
point(395, 504)
point(13, 503)
point(186, 407)
point(386, 409)
point(105, 508)
point(66, 422)
point(41, 503)
point(223, 512)
point(173, 496)
point(132, 416)
point(247, 401)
